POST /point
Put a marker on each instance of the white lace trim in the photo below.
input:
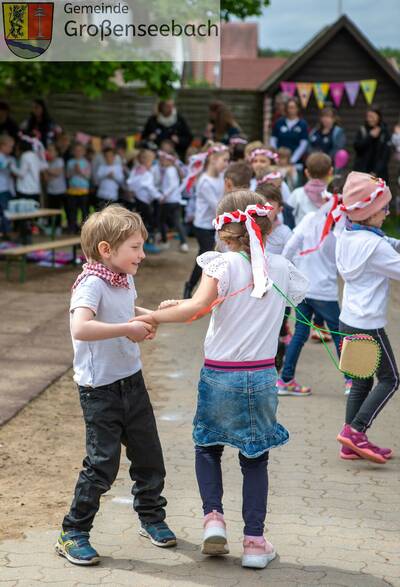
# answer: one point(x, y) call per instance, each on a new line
point(298, 285)
point(215, 265)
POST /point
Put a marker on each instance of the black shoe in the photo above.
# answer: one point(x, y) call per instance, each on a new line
point(187, 292)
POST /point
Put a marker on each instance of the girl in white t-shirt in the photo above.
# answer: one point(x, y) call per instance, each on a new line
point(209, 191)
point(237, 401)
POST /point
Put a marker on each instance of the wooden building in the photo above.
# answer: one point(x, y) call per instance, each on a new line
point(339, 53)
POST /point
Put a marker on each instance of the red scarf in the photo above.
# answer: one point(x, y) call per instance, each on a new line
point(100, 270)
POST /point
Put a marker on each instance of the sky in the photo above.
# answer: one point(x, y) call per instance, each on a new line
point(289, 24)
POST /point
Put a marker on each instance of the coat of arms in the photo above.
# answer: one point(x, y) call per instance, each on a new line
point(28, 27)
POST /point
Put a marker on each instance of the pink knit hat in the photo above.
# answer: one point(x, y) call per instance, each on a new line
point(364, 195)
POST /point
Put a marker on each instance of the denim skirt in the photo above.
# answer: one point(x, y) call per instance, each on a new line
point(238, 408)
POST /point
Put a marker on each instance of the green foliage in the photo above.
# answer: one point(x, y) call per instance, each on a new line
point(390, 52)
point(275, 52)
point(242, 8)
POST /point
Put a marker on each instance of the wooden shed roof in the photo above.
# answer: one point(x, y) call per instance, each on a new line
point(321, 39)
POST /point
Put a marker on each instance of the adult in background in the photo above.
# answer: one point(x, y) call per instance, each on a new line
point(221, 125)
point(40, 124)
point(167, 123)
point(291, 131)
point(328, 137)
point(372, 145)
point(8, 126)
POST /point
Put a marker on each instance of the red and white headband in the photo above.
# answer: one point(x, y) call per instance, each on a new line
point(368, 199)
point(261, 152)
point(332, 216)
point(197, 164)
point(274, 175)
point(258, 261)
point(166, 155)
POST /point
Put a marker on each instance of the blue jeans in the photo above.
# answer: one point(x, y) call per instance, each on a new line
point(329, 311)
point(255, 486)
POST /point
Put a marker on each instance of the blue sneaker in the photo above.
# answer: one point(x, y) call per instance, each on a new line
point(159, 534)
point(151, 249)
point(75, 546)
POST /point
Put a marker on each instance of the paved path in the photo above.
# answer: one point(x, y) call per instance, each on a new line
point(333, 523)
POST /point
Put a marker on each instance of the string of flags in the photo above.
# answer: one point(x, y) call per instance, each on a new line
point(337, 90)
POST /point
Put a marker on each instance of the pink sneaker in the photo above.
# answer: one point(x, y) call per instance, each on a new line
point(348, 454)
point(292, 388)
point(358, 442)
point(214, 538)
point(257, 552)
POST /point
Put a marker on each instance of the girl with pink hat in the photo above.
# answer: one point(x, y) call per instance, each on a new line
point(367, 260)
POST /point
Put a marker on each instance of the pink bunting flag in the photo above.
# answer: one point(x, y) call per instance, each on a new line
point(337, 91)
point(352, 89)
point(288, 88)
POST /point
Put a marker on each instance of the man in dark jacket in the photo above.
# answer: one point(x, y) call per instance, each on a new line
point(168, 124)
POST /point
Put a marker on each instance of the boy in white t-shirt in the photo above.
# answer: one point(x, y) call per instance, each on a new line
point(107, 369)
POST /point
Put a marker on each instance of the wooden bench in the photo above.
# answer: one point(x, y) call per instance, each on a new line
point(21, 252)
point(36, 215)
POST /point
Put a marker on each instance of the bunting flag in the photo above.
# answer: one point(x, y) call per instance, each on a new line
point(321, 90)
point(352, 89)
point(304, 90)
point(288, 88)
point(337, 91)
point(130, 143)
point(368, 87)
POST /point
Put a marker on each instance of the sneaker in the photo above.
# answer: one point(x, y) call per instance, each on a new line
point(358, 442)
point(292, 388)
point(214, 537)
point(347, 386)
point(257, 552)
point(184, 248)
point(159, 534)
point(151, 248)
point(348, 454)
point(74, 545)
point(163, 246)
point(315, 336)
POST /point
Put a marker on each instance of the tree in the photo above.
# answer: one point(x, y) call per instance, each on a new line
point(242, 8)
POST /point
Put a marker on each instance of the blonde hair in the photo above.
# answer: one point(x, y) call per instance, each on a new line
point(114, 225)
point(237, 231)
point(251, 146)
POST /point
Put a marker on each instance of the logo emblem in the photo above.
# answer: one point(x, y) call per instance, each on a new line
point(28, 27)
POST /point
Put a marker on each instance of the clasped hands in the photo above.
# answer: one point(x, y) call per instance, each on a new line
point(144, 327)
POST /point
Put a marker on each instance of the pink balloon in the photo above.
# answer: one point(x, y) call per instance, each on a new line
point(342, 158)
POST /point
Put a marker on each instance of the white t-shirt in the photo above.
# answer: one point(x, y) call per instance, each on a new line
point(170, 185)
point(301, 204)
point(109, 186)
point(57, 185)
point(278, 238)
point(102, 362)
point(243, 328)
point(141, 182)
point(209, 191)
point(367, 262)
point(28, 173)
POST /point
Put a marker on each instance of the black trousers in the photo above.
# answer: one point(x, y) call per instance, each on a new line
point(57, 202)
point(170, 215)
point(206, 240)
point(147, 213)
point(72, 205)
point(366, 401)
point(120, 413)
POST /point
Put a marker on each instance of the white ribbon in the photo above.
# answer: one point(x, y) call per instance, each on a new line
point(258, 261)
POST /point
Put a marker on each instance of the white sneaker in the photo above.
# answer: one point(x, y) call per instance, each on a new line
point(257, 553)
point(214, 538)
point(184, 248)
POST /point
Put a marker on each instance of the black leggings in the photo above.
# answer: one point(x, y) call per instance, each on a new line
point(206, 240)
point(171, 215)
point(365, 401)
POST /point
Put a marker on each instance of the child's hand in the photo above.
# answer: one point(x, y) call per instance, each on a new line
point(168, 304)
point(138, 331)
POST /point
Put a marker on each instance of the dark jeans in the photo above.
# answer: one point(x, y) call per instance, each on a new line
point(171, 215)
point(147, 214)
point(206, 240)
point(56, 202)
point(329, 311)
point(5, 224)
point(255, 486)
point(120, 413)
point(72, 205)
point(365, 401)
